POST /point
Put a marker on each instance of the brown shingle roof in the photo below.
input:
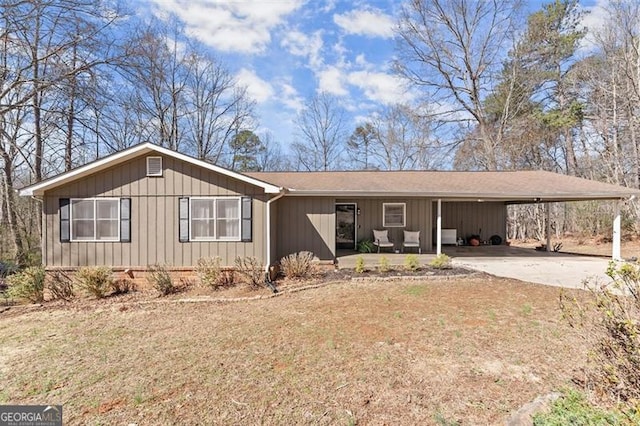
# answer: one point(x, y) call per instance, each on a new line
point(503, 185)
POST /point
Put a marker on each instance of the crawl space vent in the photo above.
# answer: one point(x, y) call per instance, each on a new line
point(154, 166)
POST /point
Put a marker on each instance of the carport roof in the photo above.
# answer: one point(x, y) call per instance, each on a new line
point(507, 186)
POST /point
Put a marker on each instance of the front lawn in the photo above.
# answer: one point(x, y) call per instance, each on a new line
point(420, 352)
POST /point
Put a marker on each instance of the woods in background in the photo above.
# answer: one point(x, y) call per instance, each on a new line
point(494, 89)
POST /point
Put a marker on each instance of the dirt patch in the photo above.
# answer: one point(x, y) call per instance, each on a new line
point(402, 352)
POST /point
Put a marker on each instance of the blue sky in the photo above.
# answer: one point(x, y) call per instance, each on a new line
point(285, 51)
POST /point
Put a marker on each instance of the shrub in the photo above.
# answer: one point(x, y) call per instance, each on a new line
point(27, 285)
point(208, 269)
point(441, 261)
point(610, 325)
point(298, 265)
point(365, 246)
point(383, 264)
point(211, 274)
point(96, 281)
point(252, 269)
point(122, 286)
point(159, 278)
point(226, 279)
point(7, 268)
point(60, 286)
point(360, 267)
point(411, 262)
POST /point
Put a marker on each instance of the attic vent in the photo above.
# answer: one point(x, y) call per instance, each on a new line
point(154, 166)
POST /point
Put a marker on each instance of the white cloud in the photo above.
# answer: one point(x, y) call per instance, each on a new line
point(331, 80)
point(380, 87)
point(290, 97)
point(238, 26)
point(368, 22)
point(257, 88)
point(300, 44)
point(594, 20)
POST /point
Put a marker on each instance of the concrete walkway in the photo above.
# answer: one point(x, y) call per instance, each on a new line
point(555, 269)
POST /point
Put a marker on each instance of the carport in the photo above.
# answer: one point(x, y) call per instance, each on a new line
point(528, 187)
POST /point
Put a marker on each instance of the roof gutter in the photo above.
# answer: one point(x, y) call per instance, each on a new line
point(281, 194)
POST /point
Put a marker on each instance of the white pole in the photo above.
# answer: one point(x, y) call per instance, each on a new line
point(548, 227)
point(439, 229)
point(615, 252)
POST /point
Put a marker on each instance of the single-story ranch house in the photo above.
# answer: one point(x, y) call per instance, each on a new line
point(148, 205)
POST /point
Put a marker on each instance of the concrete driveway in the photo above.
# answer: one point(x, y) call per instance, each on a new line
point(555, 269)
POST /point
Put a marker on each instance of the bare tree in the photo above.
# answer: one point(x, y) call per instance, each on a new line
point(454, 50)
point(322, 133)
point(403, 140)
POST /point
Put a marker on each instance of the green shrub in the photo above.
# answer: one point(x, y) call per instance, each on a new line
point(252, 269)
point(159, 278)
point(572, 408)
point(609, 323)
point(95, 281)
point(298, 265)
point(60, 286)
point(383, 264)
point(365, 246)
point(360, 267)
point(441, 261)
point(411, 262)
point(27, 285)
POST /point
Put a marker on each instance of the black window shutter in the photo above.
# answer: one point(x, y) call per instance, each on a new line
point(125, 220)
point(65, 225)
point(246, 227)
point(183, 225)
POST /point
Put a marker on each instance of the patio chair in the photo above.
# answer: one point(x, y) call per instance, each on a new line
point(381, 239)
point(412, 240)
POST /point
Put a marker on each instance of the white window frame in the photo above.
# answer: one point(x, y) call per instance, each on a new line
point(384, 215)
point(215, 219)
point(95, 220)
point(154, 174)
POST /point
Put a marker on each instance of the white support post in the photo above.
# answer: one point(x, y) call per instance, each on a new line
point(439, 229)
point(615, 252)
point(548, 227)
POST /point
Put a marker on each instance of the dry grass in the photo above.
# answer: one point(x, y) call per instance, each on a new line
point(471, 350)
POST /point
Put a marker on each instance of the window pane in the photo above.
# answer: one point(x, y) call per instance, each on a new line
point(202, 228)
point(107, 209)
point(394, 215)
point(107, 230)
point(82, 229)
point(228, 228)
point(228, 209)
point(82, 209)
point(201, 209)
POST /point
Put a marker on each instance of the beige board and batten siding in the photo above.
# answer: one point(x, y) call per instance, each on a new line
point(473, 218)
point(418, 218)
point(306, 224)
point(154, 217)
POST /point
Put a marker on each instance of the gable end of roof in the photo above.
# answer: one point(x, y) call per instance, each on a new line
point(134, 152)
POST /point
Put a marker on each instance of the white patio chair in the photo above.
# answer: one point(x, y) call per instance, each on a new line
point(412, 240)
point(381, 239)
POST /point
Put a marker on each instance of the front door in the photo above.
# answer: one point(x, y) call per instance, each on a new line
point(346, 226)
